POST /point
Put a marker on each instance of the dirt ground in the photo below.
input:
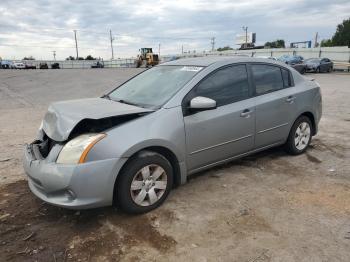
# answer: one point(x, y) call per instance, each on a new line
point(265, 207)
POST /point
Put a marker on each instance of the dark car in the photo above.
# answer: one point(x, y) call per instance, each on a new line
point(98, 64)
point(295, 61)
point(319, 65)
point(43, 66)
point(55, 66)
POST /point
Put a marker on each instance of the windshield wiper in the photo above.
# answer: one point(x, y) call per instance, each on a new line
point(106, 96)
point(127, 102)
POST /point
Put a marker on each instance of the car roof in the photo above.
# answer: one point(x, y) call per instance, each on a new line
point(209, 60)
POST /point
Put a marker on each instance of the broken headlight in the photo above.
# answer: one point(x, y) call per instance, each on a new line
point(76, 150)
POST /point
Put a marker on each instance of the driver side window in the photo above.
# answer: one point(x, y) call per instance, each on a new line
point(226, 85)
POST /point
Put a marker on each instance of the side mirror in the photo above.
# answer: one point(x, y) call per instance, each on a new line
point(201, 103)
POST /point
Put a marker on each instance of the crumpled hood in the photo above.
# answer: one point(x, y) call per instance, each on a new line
point(62, 117)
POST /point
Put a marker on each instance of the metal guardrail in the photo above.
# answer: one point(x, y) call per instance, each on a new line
point(342, 65)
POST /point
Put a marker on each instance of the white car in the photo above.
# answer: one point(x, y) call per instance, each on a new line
point(18, 65)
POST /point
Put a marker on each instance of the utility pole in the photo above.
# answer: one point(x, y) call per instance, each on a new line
point(159, 50)
point(245, 28)
point(212, 41)
point(316, 39)
point(111, 38)
point(54, 55)
point(76, 43)
point(182, 49)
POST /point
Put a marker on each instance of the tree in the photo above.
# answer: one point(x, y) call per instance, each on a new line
point(326, 43)
point(279, 43)
point(225, 48)
point(29, 58)
point(70, 58)
point(342, 35)
point(80, 58)
point(89, 57)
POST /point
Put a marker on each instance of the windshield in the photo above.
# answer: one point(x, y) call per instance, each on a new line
point(155, 86)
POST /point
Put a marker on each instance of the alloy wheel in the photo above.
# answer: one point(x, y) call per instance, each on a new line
point(148, 185)
point(302, 136)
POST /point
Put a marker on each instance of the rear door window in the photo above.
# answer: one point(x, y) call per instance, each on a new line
point(267, 78)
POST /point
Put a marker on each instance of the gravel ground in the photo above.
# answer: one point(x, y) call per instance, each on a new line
point(266, 207)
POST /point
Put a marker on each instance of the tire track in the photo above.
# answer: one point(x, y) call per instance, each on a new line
point(5, 88)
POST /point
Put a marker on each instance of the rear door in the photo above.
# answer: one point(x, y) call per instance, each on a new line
point(218, 134)
point(275, 103)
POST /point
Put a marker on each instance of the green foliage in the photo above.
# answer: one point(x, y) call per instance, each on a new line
point(29, 58)
point(326, 43)
point(342, 35)
point(279, 43)
point(89, 57)
point(70, 58)
point(225, 48)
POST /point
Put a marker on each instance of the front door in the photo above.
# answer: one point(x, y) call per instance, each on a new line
point(226, 131)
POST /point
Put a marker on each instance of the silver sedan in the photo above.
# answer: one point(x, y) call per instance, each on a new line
point(131, 146)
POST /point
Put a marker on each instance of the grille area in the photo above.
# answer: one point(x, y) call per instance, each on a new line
point(43, 146)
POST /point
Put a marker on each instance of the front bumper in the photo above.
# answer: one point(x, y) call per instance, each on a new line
point(311, 69)
point(77, 186)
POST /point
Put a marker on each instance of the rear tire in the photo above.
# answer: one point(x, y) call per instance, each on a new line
point(299, 136)
point(144, 183)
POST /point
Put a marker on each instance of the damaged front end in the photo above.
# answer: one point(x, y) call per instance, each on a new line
point(67, 120)
point(56, 162)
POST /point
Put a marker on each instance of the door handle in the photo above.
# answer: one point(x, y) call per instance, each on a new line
point(290, 99)
point(246, 113)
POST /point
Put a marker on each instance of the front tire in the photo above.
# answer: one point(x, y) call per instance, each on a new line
point(299, 136)
point(144, 183)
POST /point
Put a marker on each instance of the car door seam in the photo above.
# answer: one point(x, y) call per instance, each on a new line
point(272, 128)
point(221, 144)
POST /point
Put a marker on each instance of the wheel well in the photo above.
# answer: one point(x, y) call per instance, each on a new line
point(312, 119)
point(168, 154)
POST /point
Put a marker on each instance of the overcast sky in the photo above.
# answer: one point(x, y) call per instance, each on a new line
point(38, 27)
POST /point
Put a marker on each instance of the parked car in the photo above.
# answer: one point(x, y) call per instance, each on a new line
point(55, 66)
point(134, 144)
point(267, 57)
point(319, 65)
point(29, 65)
point(18, 65)
point(43, 66)
point(98, 64)
point(6, 64)
point(294, 61)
